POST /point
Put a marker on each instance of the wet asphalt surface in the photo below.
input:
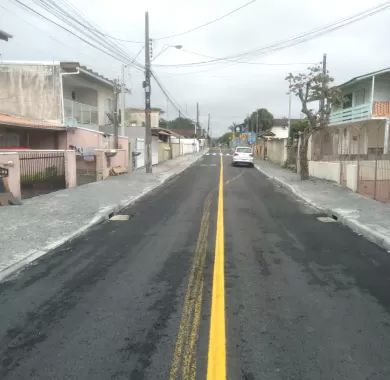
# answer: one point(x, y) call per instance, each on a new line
point(304, 299)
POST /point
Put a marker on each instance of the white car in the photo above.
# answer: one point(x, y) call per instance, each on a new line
point(243, 155)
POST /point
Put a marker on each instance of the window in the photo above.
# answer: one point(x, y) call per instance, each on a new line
point(347, 100)
point(360, 97)
point(73, 95)
point(9, 140)
point(244, 150)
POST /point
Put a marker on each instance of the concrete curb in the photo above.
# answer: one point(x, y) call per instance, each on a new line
point(100, 216)
point(370, 234)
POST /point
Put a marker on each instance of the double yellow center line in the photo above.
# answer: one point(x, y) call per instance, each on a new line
point(184, 363)
point(216, 366)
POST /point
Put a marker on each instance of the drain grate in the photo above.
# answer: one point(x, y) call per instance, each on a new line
point(120, 217)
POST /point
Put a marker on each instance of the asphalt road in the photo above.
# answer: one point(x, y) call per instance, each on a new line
point(305, 299)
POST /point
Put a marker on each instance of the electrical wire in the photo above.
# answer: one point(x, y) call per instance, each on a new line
point(282, 44)
point(207, 23)
point(248, 62)
point(80, 23)
point(104, 48)
point(169, 97)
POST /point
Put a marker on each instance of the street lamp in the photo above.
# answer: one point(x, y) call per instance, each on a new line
point(165, 48)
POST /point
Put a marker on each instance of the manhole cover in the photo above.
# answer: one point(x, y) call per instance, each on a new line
point(326, 219)
point(120, 217)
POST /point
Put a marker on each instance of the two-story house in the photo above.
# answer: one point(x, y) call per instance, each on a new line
point(44, 100)
point(360, 124)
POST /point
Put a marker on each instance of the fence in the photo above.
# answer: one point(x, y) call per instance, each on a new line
point(359, 151)
point(41, 172)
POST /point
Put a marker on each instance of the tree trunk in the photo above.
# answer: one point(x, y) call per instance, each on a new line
point(304, 164)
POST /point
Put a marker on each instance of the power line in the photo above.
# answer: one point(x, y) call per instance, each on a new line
point(207, 23)
point(168, 96)
point(106, 49)
point(74, 18)
point(248, 62)
point(282, 44)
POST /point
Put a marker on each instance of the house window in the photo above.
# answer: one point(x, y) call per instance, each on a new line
point(360, 96)
point(9, 140)
point(347, 100)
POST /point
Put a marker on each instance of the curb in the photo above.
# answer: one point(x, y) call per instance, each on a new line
point(100, 216)
point(370, 234)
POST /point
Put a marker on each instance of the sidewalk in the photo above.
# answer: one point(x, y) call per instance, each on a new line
point(45, 222)
point(363, 215)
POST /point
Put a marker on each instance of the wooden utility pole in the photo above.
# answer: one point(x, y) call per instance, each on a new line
point(148, 130)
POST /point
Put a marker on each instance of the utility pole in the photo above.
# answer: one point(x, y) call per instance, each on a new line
point(148, 131)
point(123, 104)
point(257, 122)
point(115, 113)
point(322, 100)
point(197, 120)
point(289, 112)
point(208, 129)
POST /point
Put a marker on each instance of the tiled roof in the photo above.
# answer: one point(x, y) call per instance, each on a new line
point(23, 122)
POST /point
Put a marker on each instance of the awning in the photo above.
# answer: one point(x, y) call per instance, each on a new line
point(22, 122)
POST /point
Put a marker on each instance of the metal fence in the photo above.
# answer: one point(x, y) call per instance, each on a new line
point(360, 151)
point(41, 172)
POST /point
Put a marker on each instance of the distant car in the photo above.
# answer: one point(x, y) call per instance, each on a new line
point(243, 155)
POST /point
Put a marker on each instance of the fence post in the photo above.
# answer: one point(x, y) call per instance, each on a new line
point(11, 162)
point(70, 168)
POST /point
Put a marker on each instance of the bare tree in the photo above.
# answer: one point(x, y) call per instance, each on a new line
point(316, 96)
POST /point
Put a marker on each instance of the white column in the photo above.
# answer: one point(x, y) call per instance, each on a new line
point(387, 133)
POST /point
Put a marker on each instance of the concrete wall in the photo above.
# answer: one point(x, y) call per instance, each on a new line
point(10, 161)
point(276, 151)
point(175, 149)
point(70, 169)
point(164, 152)
point(352, 176)
point(32, 91)
point(325, 170)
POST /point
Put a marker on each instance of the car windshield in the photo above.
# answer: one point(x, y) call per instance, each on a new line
point(244, 150)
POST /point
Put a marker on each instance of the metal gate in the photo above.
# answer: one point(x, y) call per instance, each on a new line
point(85, 168)
point(41, 172)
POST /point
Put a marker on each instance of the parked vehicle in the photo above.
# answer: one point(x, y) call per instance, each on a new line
point(243, 156)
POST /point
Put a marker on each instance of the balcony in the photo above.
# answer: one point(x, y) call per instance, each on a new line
point(80, 114)
point(380, 109)
point(361, 112)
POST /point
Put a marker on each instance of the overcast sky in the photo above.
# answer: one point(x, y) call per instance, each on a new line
point(228, 91)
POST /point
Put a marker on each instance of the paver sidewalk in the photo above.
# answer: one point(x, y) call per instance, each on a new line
point(45, 222)
point(363, 215)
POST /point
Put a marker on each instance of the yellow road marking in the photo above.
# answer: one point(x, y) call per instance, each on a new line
point(184, 357)
point(216, 366)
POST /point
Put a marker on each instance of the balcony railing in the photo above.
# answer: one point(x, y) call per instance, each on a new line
point(361, 112)
point(80, 114)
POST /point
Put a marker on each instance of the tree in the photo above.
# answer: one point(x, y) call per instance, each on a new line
point(181, 123)
point(298, 127)
point(313, 87)
point(264, 118)
point(225, 138)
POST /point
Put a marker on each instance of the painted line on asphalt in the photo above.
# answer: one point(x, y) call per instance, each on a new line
point(216, 364)
point(184, 361)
